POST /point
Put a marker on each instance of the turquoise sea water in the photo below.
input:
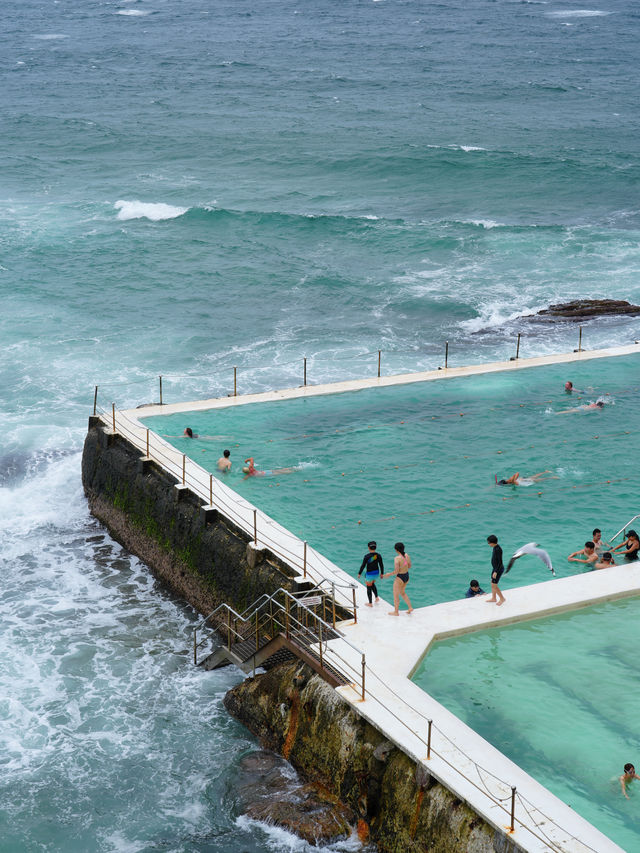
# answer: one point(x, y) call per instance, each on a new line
point(188, 187)
point(557, 696)
point(418, 463)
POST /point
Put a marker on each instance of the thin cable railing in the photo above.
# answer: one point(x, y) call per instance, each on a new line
point(305, 560)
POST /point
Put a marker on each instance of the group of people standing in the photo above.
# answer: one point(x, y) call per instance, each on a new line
point(373, 567)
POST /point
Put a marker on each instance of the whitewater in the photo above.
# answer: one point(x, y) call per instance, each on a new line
point(189, 188)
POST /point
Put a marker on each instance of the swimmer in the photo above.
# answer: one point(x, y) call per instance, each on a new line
point(631, 545)
point(627, 777)
point(474, 589)
point(588, 407)
point(601, 546)
point(605, 561)
point(372, 562)
point(224, 463)
point(190, 433)
point(588, 552)
point(250, 470)
point(568, 387)
point(517, 480)
point(401, 566)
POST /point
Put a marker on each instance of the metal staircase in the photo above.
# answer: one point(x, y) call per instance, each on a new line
point(280, 627)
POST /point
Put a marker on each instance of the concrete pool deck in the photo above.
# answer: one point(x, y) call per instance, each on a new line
point(463, 761)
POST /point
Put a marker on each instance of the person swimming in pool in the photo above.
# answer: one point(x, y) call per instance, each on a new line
point(517, 480)
point(190, 433)
point(627, 777)
point(250, 470)
point(588, 407)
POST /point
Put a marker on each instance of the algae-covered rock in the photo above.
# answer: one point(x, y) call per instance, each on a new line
point(399, 805)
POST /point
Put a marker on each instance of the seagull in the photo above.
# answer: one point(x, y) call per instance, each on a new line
point(536, 550)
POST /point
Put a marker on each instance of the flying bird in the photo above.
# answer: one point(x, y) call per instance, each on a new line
point(532, 548)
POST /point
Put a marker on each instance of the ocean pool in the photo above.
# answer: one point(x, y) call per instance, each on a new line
point(418, 462)
point(558, 696)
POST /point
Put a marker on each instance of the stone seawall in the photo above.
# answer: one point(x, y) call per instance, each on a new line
point(206, 559)
point(201, 556)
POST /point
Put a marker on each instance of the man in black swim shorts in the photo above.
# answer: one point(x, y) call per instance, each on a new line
point(497, 569)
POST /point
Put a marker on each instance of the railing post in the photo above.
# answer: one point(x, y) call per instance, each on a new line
point(320, 638)
point(235, 381)
point(184, 468)
point(355, 610)
point(429, 740)
point(113, 416)
point(255, 526)
point(195, 648)
point(160, 378)
point(363, 669)
point(513, 808)
point(210, 489)
point(333, 604)
point(518, 347)
point(257, 632)
point(286, 617)
point(304, 561)
point(379, 355)
point(580, 340)
point(147, 444)
point(305, 370)
point(95, 400)
point(446, 355)
point(229, 630)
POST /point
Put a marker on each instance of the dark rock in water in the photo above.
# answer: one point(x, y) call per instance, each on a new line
point(585, 309)
point(268, 789)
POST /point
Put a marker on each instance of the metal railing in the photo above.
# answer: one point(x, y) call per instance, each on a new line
point(623, 528)
point(295, 618)
point(296, 553)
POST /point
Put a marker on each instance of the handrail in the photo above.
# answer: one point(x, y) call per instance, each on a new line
point(185, 474)
point(624, 527)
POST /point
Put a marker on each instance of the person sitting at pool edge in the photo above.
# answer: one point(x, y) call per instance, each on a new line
point(605, 561)
point(224, 463)
point(588, 552)
point(632, 546)
point(627, 777)
point(474, 589)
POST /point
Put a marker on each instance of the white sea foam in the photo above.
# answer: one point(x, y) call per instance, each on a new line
point(132, 13)
point(577, 13)
point(468, 147)
point(148, 210)
point(278, 839)
point(51, 36)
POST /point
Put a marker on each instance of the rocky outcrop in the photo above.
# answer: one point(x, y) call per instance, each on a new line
point(584, 309)
point(398, 805)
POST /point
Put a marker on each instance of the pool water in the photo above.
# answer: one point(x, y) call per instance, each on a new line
point(558, 696)
point(417, 463)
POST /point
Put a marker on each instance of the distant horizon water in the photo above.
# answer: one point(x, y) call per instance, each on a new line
point(189, 187)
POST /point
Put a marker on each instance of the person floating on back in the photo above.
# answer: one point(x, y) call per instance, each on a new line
point(497, 570)
point(373, 567)
point(474, 589)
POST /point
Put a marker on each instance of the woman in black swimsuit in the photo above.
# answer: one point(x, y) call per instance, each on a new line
point(401, 566)
point(632, 545)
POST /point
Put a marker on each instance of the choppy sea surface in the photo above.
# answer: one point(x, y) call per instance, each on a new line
point(189, 187)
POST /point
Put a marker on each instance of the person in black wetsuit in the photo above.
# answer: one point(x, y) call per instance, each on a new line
point(497, 569)
point(373, 567)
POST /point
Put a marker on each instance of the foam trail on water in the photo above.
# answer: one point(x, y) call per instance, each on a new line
point(148, 210)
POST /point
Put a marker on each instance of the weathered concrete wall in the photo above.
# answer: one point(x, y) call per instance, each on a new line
point(204, 562)
point(400, 807)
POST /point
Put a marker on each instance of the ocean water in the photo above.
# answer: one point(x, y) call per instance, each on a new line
point(192, 187)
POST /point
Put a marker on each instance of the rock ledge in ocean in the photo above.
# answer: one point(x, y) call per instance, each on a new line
point(584, 309)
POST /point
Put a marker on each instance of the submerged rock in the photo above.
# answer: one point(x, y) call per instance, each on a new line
point(585, 309)
point(268, 789)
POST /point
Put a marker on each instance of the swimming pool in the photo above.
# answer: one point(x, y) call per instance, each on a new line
point(417, 463)
point(559, 697)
